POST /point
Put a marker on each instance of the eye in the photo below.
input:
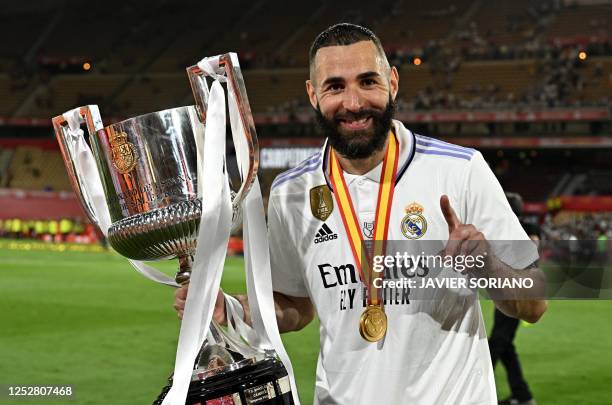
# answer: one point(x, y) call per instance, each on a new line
point(368, 82)
point(335, 87)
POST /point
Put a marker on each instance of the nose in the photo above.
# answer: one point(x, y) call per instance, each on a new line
point(353, 100)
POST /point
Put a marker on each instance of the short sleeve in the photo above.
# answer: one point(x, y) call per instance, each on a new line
point(287, 272)
point(488, 210)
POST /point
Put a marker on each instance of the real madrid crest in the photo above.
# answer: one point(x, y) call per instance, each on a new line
point(414, 224)
point(321, 202)
point(123, 153)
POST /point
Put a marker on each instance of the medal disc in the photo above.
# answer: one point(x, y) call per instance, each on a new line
point(373, 323)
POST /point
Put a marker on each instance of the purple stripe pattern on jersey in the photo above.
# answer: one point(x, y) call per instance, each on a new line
point(306, 166)
point(441, 153)
point(431, 146)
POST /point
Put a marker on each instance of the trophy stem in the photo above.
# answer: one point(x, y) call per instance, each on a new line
point(185, 263)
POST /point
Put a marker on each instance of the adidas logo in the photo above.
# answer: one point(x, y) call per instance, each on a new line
point(325, 234)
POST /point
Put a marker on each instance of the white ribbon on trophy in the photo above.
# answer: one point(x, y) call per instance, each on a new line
point(211, 249)
point(266, 335)
point(257, 257)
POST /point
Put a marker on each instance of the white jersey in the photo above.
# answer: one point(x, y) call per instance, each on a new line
point(434, 352)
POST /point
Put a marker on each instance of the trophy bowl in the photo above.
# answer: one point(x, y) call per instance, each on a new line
point(151, 183)
point(148, 166)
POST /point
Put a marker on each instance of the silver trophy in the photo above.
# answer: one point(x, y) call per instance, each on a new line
point(148, 167)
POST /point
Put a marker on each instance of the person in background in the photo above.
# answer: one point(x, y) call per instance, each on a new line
point(601, 251)
point(53, 229)
point(504, 329)
point(65, 227)
point(16, 228)
point(39, 228)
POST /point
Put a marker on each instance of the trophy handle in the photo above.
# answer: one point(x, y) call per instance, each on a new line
point(228, 63)
point(91, 116)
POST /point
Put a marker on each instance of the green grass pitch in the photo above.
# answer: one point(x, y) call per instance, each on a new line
point(90, 321)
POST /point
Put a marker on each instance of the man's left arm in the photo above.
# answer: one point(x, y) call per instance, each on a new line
point(522, 303)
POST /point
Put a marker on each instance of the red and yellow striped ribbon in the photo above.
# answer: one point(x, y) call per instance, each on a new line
point(381, 221)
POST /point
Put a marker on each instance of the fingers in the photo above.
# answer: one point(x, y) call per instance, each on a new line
point(220, 302)
point(472, 242)
point(463, 240)
point(180, 296)
point(219, 314)
point(181, 292)
point(179, 306)
point(449, 214)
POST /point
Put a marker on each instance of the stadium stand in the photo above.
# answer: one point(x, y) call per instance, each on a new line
point(148, 93)
point(433, 20)
point(506, 81)
point(474, 56)
point(596, 85)
point(13, 89)
point(6, 155)
point(137, 64)
point(295, 49)
point(596, 182)
point(33, 168)
point(72, 90)
point(582, 22)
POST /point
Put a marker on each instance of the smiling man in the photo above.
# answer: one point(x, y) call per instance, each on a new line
point(359, 103)
point(374, 179)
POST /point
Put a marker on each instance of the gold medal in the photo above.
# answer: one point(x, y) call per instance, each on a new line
point(373, 323)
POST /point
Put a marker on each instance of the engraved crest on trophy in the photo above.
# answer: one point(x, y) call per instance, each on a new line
point(123, 152)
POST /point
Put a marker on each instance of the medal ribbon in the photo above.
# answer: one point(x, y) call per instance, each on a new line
point(381, 221)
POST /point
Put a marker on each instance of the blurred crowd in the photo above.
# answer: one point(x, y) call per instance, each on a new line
point(559, 70)
point(49, 230)
point(578, 226)
point(521, 34)
point(579, 241)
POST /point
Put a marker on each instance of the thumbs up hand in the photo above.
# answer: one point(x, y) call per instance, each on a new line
point(463, 239)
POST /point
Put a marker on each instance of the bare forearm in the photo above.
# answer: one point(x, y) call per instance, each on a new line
point(292, 313)
point(523, 303)
point(527, 310)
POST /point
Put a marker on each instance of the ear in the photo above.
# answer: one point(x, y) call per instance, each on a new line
point(312, 96)
point(394, 82)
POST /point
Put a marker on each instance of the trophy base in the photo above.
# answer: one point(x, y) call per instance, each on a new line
point(163, 233)
point(264, 382)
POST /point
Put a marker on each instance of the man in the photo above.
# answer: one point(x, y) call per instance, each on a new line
point(432, 352)
point(504, 329)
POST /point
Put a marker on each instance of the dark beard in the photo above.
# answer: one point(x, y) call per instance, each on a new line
point(358, 144)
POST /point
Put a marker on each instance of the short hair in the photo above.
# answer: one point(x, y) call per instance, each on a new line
point(516, 203)
point(344, 34)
